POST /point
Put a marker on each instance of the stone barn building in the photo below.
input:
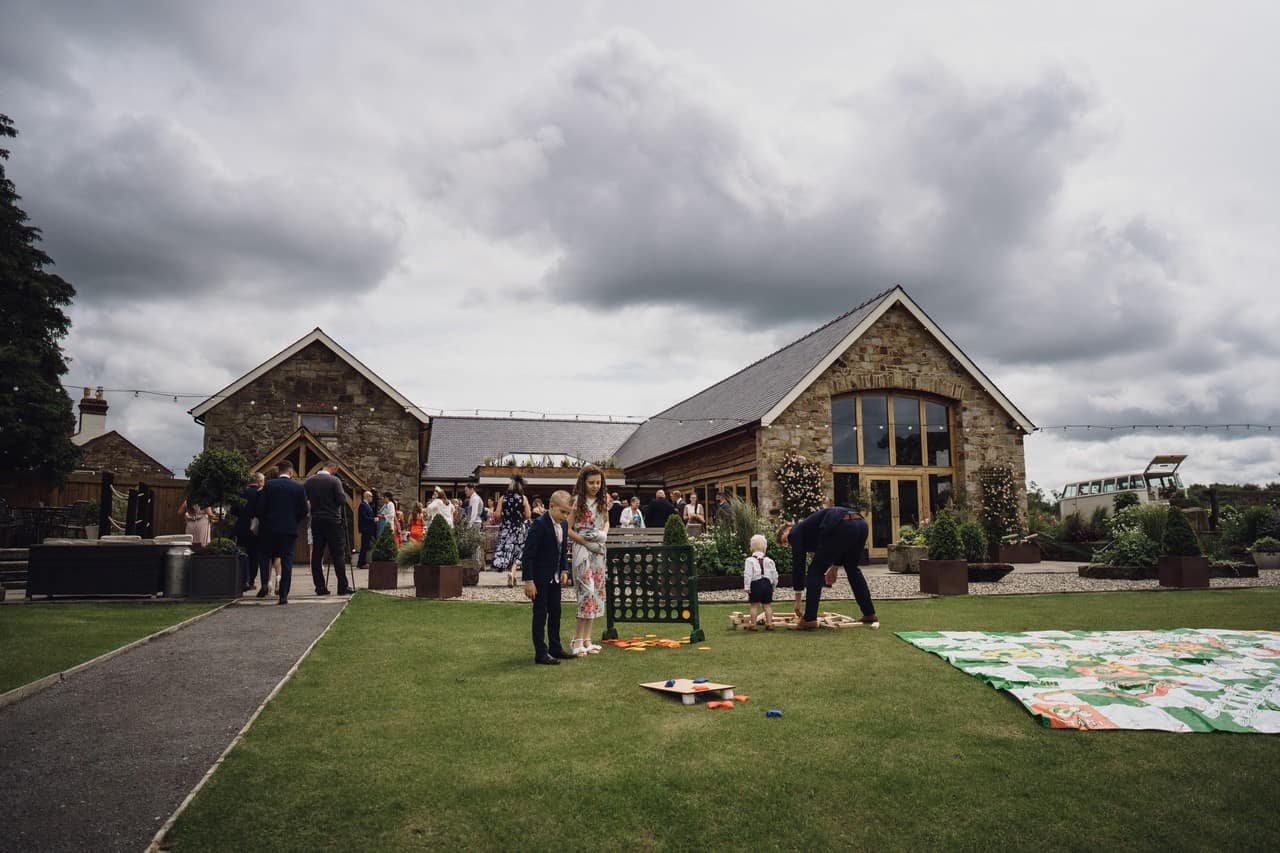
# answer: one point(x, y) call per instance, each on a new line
point(880, 397)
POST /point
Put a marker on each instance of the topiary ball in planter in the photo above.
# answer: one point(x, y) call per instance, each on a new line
point(383, 566)
point(946, 572)
point(974, 540)
point(215, 570)
point(1181, 563)
point(438, 574)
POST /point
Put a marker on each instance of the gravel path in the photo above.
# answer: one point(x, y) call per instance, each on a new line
point(100, 761)
point(885, 585)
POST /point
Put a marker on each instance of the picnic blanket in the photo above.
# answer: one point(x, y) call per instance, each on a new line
point(1182, 680)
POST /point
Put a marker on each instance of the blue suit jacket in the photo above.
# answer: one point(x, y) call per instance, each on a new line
point(281, 505)
point(368, 520)
point(804, 536)
point(543, 559)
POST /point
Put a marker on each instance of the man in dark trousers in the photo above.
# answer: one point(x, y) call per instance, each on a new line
point(368, 522)
point(325, 492)
point(256, 560)
point(660, 509)
point(544, 567)
point(615, 511)
point(836, 537)
point(282, 504)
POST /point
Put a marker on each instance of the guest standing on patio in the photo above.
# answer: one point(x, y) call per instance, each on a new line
point(282, 505)
point(516, 514)
point(197, 519)
point(439, 505)
point(588, 529)
point(368, 529)
point(256, 560)
point(631, 516)
point(327, 497)
point(417, 522)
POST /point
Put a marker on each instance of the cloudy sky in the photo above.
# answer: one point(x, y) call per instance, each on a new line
point(605, 207)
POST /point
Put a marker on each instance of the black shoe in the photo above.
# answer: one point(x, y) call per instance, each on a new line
point(284, 599)
point(323, 591)
point(562, 655)
point(262, 593)
point(347, 591)
point(548, 660)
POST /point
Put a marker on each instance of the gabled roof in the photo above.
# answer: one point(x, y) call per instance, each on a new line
point(351, 480)
point(314, 336)
point(147, 456)
point(762, 391)
point(458, 445)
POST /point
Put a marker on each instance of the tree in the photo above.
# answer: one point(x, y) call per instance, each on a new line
point(438, 546)
point(674, 533)
point(36, 420)
point(216, 477)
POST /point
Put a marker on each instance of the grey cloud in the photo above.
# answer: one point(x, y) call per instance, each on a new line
point(144, 209)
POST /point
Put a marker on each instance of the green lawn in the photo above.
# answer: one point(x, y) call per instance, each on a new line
point(419, 724)
point(40, 639)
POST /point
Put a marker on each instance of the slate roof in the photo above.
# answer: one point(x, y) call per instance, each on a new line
point(459, 444)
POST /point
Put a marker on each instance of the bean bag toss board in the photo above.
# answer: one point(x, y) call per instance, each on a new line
point(689, 691)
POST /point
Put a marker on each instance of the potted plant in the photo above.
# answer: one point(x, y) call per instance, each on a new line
point(383, 561)
point(946, 571)
point(438, 574)
point(1016, 548)
point(1182, 563)
point(1266, 552)
point(215, 570)
point(905, 554)
point(91, 513)
point(470, 539)
point(674, 533)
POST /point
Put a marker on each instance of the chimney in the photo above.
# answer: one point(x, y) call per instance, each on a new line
point(93, 417)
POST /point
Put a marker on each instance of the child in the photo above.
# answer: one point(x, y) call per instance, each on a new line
point(543, 565)
point(588, 528)
point(759, 577)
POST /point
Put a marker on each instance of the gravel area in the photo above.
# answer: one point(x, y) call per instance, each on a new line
point(885, 585)
point(100, 761)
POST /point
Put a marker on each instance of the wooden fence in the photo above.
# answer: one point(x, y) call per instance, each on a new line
point(168, 494)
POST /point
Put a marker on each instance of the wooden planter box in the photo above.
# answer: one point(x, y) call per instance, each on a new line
point(905, 559)
point(215, 576)
point(383, 574)
point(437, 581)
point(1266, 559)
point(1184, 572)
point(1024, 553)
point(944, 577)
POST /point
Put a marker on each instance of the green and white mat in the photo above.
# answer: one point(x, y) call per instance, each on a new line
point(1184, 680)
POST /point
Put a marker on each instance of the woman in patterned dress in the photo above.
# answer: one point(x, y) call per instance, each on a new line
point(515, 524)
point(588, 528)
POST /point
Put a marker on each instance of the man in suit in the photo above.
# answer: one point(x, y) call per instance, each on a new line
point(836, 536)
point(660, 509)
point(615, 511)
point(282, 504)
point(327, 499)
point(368, 529)
point(256, 560)
point(544, 568)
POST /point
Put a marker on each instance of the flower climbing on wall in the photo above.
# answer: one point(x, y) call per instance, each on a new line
point(800, 482)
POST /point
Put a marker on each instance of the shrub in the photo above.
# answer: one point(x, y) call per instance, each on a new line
point(1151, 519)
point(1099, 523)
point(216, 477)
point(1179, 539)
point(674, 533)
point(974, 540)
point(908, 535)
point(438, 545)
point(800, 487)
point(1124, 499)
point(468, 537)
point(218, 547)
point(943, 539)
point(1267, 544)
point(779, 553)
point(408, 555)
point(1133, 548)
point(384, 546)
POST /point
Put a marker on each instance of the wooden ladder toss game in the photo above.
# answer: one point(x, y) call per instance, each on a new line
point(651, 584)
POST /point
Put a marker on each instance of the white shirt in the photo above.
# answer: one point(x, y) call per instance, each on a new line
point(477, 506)
point(440, 507)
point(388, 512)
point(751, 570)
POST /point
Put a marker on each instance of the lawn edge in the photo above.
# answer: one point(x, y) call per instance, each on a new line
point(157, 842)
point(31, 688)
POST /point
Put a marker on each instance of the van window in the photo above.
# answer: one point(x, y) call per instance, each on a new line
point(1109, 486)
point(1069, 491)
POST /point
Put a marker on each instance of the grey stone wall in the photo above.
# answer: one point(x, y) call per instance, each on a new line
point(375, 437)
point(897, 353)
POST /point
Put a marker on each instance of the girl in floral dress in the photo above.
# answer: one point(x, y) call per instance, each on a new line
point(588, 528)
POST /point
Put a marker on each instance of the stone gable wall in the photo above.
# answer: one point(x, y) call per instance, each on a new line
point(381, 446)
point(897, 353)
point(112, 452)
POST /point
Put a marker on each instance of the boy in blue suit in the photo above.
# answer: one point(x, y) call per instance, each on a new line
point(544, 567)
